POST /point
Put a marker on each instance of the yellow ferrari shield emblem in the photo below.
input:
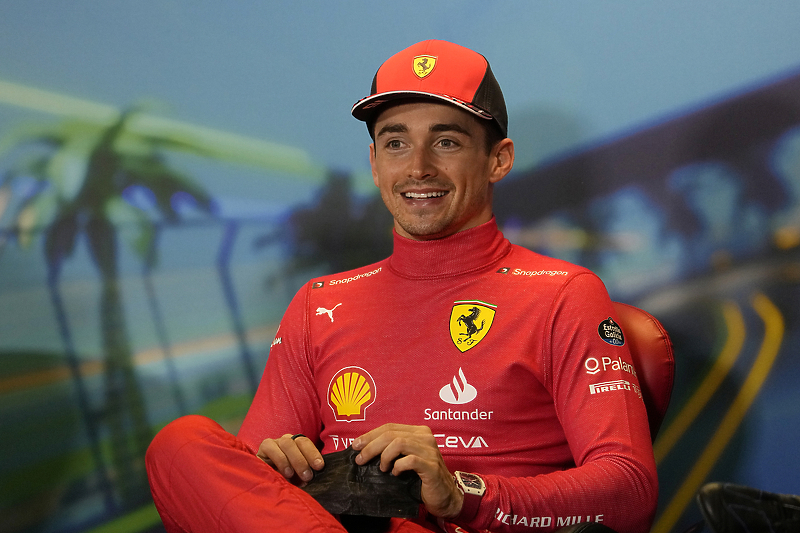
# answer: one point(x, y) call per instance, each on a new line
point(470, 322)
point(423, 65)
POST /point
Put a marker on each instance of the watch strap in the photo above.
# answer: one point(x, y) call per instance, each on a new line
point(472, 487)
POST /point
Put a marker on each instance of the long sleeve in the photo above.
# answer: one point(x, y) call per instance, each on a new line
point(598, 404)
point(286, 400)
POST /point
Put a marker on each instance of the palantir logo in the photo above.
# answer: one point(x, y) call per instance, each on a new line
point(592, 366)
point(458, 392)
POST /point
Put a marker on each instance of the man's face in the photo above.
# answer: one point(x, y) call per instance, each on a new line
point(430, 163)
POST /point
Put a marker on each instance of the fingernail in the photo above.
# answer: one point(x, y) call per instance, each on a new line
point(319, 463)
point(359, 459)
point(356, 444)
point(288, 472)
point(307, 475)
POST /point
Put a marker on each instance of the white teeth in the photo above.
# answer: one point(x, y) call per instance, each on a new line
point(417, 195)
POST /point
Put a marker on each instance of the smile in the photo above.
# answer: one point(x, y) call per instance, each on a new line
point(423, 195)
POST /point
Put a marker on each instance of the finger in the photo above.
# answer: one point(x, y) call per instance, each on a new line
point(395, 441)
point(310, 452)
point(416, 452)
point(373, 434)
point(384, 433)
point(297, 461)
point(270, 452)
point(373, 444)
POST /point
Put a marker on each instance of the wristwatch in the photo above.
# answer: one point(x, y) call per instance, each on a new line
point(473, 487)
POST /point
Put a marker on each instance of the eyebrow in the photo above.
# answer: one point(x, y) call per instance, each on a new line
point(393, 128)
point(438, 128)
point(435, 128)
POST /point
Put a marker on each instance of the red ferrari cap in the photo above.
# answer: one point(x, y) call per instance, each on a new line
point(441, 71)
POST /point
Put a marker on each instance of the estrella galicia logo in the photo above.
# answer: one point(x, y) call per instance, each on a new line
point(610, 332)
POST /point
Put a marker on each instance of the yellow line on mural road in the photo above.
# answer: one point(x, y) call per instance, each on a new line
point(734, 324)
point(773, 336)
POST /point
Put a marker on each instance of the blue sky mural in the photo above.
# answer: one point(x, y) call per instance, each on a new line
point(249, 102)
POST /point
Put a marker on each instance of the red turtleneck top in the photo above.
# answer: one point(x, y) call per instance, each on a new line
point(513, 359)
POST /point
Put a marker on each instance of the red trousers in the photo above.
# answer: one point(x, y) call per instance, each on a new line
point(204, 479)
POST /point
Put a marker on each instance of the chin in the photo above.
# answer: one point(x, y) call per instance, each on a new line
point(423, 233)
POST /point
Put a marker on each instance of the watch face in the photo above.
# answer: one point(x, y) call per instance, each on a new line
point(471, 480)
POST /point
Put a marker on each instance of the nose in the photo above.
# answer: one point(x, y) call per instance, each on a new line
point(421, 164)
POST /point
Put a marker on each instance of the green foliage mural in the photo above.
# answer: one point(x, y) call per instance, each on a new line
point(81, 173)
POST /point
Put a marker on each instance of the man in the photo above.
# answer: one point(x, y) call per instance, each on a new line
point(462, 357)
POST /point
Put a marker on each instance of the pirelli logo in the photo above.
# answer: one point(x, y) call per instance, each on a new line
point(620, 384)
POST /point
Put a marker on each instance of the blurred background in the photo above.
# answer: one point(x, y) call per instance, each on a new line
point(171, 172)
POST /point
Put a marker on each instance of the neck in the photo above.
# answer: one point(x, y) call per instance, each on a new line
point(467, 251)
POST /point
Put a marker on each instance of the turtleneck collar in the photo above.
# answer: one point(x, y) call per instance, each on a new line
point(464, 252)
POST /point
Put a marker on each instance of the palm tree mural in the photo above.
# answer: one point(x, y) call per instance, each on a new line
point(82, 172)
point(340, 231)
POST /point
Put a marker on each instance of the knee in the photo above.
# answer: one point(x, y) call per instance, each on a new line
point(174, 436)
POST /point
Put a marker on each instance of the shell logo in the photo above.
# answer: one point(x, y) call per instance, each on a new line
point(350, 392)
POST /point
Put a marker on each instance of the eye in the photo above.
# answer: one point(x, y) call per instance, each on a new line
point(447, 143)
point(394, 144)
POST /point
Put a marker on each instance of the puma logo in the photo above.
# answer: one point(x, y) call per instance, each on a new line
point(329, 312)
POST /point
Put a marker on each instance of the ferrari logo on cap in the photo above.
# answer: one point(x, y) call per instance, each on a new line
point(470, 322)
point(423, 65)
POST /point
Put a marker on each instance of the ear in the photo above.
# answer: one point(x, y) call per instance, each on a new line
point(501, 159)
point(372, 164)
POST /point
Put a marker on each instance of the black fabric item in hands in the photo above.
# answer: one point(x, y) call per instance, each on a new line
point(344, 488)
point(729, 508)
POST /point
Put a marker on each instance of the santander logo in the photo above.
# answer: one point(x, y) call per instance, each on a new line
point(458, 392)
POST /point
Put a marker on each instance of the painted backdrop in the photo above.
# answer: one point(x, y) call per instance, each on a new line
point(171, 172)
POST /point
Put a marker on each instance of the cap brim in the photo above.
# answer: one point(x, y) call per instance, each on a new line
point(366, 108)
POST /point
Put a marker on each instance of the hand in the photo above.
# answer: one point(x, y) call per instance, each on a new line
point(292, 456)
point(413, 448)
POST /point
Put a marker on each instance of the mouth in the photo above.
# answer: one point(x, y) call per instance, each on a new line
point(423, 195)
